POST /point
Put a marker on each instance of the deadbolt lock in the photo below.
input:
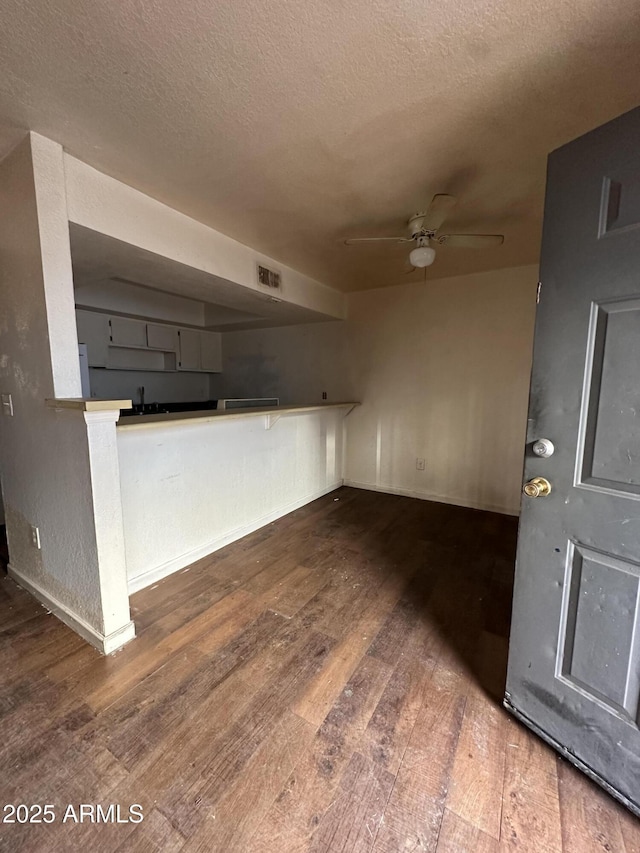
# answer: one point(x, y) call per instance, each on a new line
point(539, 487)
point(543, 448)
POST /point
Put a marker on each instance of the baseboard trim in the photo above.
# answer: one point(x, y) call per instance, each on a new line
point(105, 643)
point(428, 496)
point(157, 574)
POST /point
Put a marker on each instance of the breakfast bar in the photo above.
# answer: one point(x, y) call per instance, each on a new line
point(192, 482)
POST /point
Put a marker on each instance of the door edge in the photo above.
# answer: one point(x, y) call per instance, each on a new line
point(571, 758)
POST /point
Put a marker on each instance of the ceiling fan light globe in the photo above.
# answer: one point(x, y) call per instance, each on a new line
point(422, 256)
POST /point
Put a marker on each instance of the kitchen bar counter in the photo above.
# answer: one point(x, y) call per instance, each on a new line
point(166, 419)
point(192, 482)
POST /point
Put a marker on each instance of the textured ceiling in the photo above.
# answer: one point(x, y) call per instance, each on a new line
point(292, 125)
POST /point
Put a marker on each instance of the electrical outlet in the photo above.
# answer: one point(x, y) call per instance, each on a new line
point(7, 405)
point(324, 395)
point(35, 536)
point(420, 464)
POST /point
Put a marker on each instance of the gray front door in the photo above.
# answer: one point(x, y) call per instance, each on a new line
point(574, 657)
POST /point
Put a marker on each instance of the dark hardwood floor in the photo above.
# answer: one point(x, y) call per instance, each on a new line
point(330, 683)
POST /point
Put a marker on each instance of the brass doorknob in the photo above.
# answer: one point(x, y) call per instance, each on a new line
point(539, 487)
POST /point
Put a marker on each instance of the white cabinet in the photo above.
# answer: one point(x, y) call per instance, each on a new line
point(200, 351)
point(93, 330)
point(164, 338)
point(124, 343)
point(189, 357)
point(126, 332)
point(136, 358)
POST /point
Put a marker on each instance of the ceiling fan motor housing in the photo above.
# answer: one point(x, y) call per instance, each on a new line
point(415, 224)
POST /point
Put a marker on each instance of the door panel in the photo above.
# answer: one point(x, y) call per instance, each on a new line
point(189, 349)
point(574, 658)
point(620, 208)
point(598, 654)
point(162, 337)
point(609, 449)
point(126, 332)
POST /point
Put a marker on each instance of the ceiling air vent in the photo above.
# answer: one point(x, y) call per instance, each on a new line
point(269, 278)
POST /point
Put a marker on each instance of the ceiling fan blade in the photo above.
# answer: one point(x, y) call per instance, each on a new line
point(440, 207)
point(471, 241)
point(354, 240)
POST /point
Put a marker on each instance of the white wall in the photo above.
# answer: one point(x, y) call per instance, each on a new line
point(442, 371)
point(190, 487)
point(294, 363)
point(47, 472)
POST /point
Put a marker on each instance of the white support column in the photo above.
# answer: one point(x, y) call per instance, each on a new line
point(107, 512)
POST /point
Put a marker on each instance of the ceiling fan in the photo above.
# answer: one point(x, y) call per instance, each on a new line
point(422, 230)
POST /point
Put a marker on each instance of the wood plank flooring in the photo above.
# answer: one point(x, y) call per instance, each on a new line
point(330, 683)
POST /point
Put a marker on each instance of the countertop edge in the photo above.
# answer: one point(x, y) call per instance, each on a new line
point(141, 421)
point(87, 404)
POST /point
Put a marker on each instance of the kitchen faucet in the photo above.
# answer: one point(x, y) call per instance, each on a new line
point(141, 392)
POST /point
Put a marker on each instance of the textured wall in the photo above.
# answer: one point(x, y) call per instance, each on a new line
point(443, 374)
point(44, 456)
point(295, 363)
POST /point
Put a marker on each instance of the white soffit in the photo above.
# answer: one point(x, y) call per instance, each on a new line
point(102, 263)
